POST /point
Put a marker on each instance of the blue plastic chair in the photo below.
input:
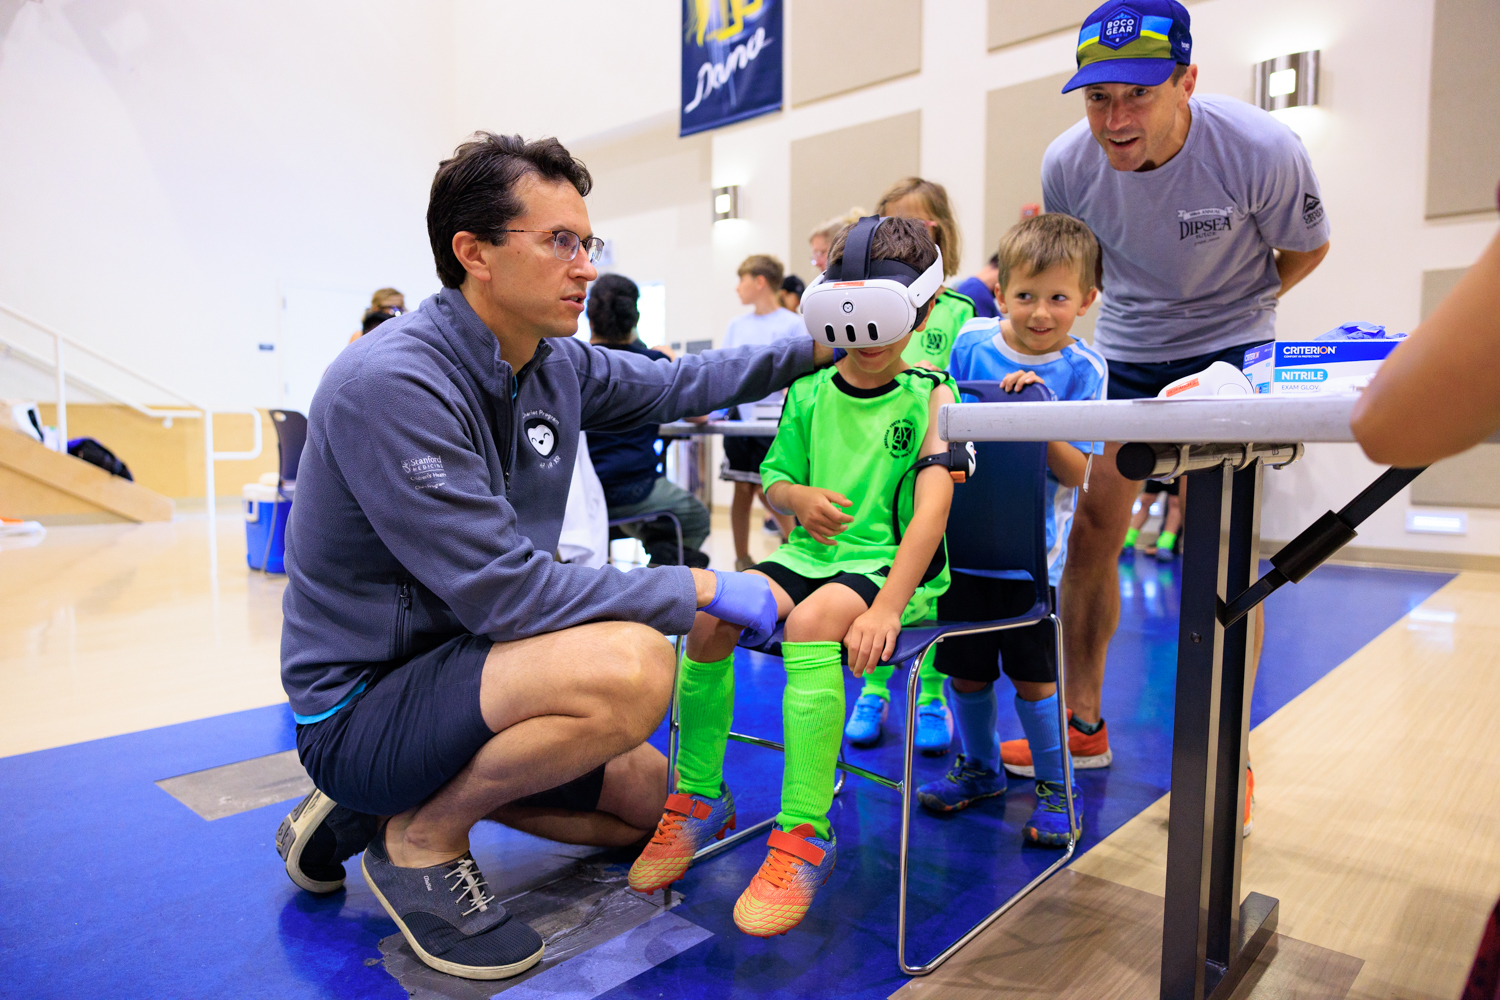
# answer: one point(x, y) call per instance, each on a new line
point(998, 520)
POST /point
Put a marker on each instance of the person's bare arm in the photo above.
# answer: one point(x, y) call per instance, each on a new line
point(1294, 265)
point(872, 637)
point(1067, 463)
point(1439, 393)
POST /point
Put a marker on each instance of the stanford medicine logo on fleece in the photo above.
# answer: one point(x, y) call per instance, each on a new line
point(731, 61)
point(542, 433)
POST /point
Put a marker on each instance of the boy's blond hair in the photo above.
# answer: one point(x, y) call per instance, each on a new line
point(763, 265)
point(829, 229)
point(934, 199)
point(1033, 245)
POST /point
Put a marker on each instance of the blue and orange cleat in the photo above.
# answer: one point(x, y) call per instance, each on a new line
point(687, 824)
point(797, 864)
point(1048, 825)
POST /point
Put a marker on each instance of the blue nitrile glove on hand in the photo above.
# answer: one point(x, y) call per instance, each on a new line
point(744, 600)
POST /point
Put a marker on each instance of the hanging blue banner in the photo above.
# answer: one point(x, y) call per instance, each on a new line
point(731, 61)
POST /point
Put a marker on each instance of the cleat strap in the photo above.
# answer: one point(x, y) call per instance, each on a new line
point(688, 806)
point(796, 847)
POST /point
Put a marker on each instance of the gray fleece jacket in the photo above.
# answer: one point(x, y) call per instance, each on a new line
point(431, 492)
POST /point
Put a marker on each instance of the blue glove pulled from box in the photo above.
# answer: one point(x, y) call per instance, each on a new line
point(744, 600)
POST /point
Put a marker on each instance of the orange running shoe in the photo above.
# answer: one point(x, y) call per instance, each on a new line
point(688, 823)
point(796, 866)
point(1249, 801)
point(1089, 750)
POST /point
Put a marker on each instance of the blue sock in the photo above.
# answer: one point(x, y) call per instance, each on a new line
point(975, 717)
point(1039, 720)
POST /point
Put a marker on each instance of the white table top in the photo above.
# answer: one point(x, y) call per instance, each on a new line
point(1266, 419)
point(728, 428)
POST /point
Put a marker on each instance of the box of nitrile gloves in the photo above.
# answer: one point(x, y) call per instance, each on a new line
point(1259, 366)
point(1341, 360)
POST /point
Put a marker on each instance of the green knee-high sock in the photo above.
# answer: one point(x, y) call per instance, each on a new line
point(812, 716)
point(932, 681)
point(705, 705)
point(878, 681)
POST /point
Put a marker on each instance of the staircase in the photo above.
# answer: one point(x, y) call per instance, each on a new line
point(37, 483)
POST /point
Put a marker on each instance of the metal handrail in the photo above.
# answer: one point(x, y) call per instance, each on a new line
point(192, 409)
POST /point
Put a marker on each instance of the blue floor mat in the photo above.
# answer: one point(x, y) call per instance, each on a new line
point(115, 889)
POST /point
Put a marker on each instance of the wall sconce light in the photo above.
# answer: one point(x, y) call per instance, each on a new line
point(1287, 81)
point(726, 203)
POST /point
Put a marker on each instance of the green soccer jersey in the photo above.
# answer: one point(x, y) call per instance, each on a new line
point(934, 342)
point(861, 443)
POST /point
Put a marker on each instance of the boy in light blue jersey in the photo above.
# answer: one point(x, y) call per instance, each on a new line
point(1048, 278)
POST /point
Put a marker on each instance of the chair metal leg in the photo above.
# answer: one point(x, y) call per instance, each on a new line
point(906, 796)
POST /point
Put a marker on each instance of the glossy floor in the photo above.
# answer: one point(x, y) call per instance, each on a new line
point(1374, 791)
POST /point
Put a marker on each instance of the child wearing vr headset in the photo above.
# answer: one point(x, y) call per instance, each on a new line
point(858, 459)
point(1048, 279)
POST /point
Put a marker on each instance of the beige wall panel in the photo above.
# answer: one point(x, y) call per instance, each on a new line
point(842, 45)
point(1012, 21)
point(1473, 478)
point(655, 169)
point(169, 460)
point(1463, 141)
point(1020, 122)
point(850, 167)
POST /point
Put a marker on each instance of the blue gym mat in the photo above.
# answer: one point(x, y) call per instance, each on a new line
point(116, 889)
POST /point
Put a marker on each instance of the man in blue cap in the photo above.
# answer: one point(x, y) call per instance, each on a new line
point(1207, 210)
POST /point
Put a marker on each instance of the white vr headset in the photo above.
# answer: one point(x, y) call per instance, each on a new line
point(866, 303)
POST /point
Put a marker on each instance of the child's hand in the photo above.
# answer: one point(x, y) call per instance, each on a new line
point(871, 639)
point(1016, 381)
point(928, 365)
point(814, 507)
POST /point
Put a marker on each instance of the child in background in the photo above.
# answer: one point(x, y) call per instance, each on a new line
point(760, 288)
point(927, 203)
point(1048, 276)
point(843, 460)
point(1171, 520)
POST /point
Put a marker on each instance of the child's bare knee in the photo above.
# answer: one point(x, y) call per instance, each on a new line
point(805, 624)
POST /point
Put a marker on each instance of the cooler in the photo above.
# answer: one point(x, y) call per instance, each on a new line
point(265, 520)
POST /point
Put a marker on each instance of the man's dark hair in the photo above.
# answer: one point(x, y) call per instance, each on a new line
point(613, 312)
point(374, 317)
point(475, 191)
point(906, 240)
point(795, 285)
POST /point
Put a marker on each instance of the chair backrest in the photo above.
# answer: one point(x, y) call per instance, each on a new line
point(998, 519)
point(291, 435)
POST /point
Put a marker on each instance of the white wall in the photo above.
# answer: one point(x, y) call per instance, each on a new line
point(167, 170)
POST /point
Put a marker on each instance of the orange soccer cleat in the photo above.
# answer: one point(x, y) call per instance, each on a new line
point(796, 866)
point(688, 823)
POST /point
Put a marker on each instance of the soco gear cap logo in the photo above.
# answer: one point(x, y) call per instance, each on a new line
point(1120, 28)
point(901, 437)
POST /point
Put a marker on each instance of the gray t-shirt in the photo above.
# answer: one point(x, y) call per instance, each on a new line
point(1188, 268)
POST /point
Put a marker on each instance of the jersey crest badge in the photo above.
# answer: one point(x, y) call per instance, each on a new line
point(901, 437)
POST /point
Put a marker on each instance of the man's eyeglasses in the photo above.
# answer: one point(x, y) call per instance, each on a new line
point(565, 244)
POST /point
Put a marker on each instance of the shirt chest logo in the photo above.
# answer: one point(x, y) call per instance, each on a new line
point(541, 432)
point(901, 437)
point(1204, 225)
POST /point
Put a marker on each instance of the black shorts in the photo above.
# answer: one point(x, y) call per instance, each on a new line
point(410, 731)
point(799, 588)
point(742, 458)
point(1144, 380)
point(1027, 654)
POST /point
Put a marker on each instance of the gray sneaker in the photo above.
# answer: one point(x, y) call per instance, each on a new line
point(449, 918)
point(317, 837)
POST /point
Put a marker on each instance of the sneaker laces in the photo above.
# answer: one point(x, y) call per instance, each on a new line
point(963, 769)
point(1049, 796)
point(667, 827)
point(779, 867)
point(866, 710)
point(471, 884)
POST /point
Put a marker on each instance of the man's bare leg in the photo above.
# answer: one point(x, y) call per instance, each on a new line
point(1090, 591)
point(634, 794)
point(560, 705)
point(739, 518)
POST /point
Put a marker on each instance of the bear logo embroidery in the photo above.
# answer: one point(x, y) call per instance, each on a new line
point(900, 437)
point(542, 436)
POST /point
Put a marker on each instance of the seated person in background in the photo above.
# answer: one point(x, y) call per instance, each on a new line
point(628, 464)
point(1048, 273)
point(1171, 519)
point(792, 288)
point(759, 287)
point(981, 289)
point(850, 438)
point(387, 303)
